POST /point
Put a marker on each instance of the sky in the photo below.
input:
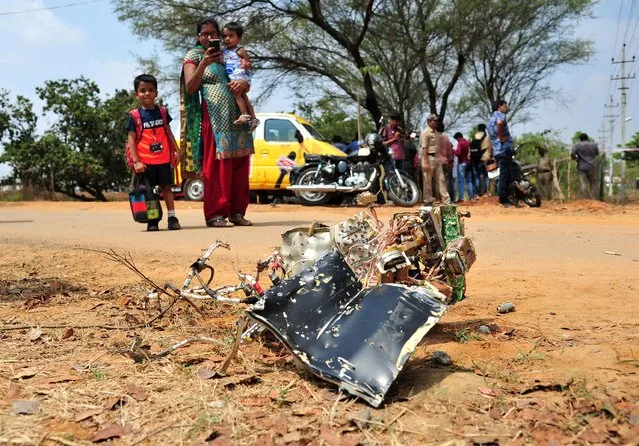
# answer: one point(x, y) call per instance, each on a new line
point(87, 39)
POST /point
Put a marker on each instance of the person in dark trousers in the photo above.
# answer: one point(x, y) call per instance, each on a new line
point(464, 172)
point(410, 152)
point(544, 174)
point(479, 153)
point(392, 135)
point(447, 157)
point(502, 148)
point(585, 152)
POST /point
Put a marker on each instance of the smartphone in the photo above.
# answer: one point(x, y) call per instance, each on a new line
point(215, 44)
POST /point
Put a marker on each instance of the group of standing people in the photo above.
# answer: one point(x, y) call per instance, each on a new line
point(439, 160)
point(217, 120)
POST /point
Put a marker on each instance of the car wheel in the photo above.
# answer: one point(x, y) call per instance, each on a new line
point(194, 189)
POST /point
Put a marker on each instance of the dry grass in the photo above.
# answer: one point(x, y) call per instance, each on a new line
point(85, 384)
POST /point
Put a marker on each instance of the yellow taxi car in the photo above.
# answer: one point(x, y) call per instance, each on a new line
point(280, 141)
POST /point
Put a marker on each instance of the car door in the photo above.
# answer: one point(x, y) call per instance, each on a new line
point(279, 141)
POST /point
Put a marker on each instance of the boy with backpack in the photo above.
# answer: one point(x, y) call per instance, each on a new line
point(151, 150)
point(479, 153)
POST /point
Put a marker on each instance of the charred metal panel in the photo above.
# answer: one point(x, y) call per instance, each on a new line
point(357, 339)
point(301, 247)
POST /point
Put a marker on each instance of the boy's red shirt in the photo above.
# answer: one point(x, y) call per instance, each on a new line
point(153, 131)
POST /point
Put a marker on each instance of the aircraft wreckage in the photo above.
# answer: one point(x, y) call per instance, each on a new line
point(352, 301)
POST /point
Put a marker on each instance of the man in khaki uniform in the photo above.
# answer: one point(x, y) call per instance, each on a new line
point(432, 164)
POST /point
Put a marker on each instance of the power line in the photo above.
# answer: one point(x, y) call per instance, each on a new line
point(614, 48)
point(632, 9)
point(49, 8)
point(632, 44)
point(618, 22)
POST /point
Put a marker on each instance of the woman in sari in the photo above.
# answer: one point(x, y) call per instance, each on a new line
point(211, 140)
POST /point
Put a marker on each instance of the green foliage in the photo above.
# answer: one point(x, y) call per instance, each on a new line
point(330, 119)
point(527, 43)
point(83, 148)
point(529, 143)
point(411, 57)
point(633, 157)
point(5, 117)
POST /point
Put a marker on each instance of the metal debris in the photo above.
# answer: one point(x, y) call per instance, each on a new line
point(352, 301)
point(358, 338)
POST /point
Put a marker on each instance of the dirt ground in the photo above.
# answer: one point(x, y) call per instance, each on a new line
point(562, 369)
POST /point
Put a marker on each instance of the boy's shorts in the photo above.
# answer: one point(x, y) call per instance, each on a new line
point(159, 174)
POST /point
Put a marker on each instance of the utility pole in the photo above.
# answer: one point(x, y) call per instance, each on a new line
point(623, 78)
point(611, 160)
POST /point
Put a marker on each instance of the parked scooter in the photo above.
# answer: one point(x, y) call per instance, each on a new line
point(520, 188)
point(322, 177)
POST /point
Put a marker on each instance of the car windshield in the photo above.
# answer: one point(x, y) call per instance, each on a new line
point(314, 133)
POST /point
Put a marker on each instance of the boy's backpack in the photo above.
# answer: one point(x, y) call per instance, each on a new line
point(145, 203)
point(137, 119)
point(475, 149)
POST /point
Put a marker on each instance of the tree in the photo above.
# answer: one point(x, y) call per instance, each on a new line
point(527, 43)
point(633, 156)
point(396, 55)
point(402, 56)
point(84, 147)
point(5, 116)
point(93, 129)
point(421, 48)
point(18, 138)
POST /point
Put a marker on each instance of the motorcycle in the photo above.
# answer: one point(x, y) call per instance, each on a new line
point(322, 177)
point(520, 188)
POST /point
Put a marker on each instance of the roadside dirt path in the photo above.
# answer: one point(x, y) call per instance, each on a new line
point(563, 367)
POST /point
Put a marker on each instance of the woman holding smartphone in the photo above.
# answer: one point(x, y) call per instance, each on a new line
point(212, 141)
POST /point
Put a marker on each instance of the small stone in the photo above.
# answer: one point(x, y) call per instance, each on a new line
point(567, 337)
point(506, 308)
point(68, 333)
point(25, 407)
point(442, 358)
point(218, 404)
point(484, 329)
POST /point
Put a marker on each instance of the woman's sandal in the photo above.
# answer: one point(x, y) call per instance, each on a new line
point(219, 222)
point(239, 220)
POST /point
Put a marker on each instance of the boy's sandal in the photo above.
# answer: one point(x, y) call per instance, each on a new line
point(239, 220)
point(219, 222)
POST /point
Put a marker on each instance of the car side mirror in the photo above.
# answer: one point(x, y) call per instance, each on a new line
point(299, 137)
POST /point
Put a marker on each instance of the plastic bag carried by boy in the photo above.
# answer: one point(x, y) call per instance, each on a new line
point(144, 201)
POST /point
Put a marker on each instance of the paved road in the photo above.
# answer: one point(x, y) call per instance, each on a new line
point(514, 238)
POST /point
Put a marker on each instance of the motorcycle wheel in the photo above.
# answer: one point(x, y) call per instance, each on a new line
point(407, 196)
point(532, 198)
point(306, 178)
